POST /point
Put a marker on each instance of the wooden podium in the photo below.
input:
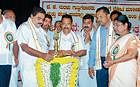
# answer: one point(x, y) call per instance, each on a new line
point(60, 72)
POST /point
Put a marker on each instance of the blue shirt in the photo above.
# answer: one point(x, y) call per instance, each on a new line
point(92, 51)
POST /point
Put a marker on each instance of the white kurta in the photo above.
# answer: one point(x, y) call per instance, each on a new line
point(84, 79)
point(6, 54)
point(26, 61)
point(66, 42)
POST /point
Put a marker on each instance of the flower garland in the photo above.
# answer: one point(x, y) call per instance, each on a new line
point(40, 78)
point(60, 60)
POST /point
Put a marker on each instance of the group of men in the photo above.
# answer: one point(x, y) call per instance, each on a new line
point(35, 39)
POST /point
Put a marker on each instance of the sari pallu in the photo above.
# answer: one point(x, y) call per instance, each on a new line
point(138, 61)
point(123, 74)
point(138, 75)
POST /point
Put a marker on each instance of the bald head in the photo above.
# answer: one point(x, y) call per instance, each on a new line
point(9, 14)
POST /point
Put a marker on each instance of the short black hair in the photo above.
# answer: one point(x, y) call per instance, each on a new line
point(88, 16)
point(105, 10)
point(67, 16)
point(57, 22)
point(115, 12)
point(36, 10)
point(48, 16)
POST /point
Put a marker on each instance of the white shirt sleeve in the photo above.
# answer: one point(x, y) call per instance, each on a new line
point(23, 34)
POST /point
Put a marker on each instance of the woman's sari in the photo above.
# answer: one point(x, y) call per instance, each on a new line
point(123, 74)
point(138, 59)
point(138, 77)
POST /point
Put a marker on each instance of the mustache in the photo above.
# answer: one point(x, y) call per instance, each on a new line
point(66, 28)
point(40, 23)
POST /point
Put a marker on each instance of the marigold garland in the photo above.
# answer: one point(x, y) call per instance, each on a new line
point(61, 60)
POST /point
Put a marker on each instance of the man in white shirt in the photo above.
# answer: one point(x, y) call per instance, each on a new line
point(69, 43)
point(7, 34)
point(31, 40)
point(87, 32)
point(9, 14)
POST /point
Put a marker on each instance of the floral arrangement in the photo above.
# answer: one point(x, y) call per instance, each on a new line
point(60, 72)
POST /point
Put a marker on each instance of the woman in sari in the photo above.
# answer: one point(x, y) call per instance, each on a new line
point(121, 59)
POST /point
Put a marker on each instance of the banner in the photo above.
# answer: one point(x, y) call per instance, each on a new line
point(78, 8)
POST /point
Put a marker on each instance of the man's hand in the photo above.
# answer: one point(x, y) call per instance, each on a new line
point(65, 52)
point(87, 37)
point(16, 62)
point(69, 53)
point(48, 56)
point(91, 72)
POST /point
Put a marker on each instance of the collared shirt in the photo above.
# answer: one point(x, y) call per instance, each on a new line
point(92, 51)
point(7, 33)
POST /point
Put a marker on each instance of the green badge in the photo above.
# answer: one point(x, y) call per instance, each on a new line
point(115, 50)
point(9, 37)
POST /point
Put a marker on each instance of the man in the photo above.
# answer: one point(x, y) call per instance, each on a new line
point(46, 27)
point(87, 33)
point(101, 42)
point(7, 34)
point(70, 44)
point(31, 40)
point(9, 14)
point(58, 26)
point(67, 43)
point(114, 14)
point(47, 24)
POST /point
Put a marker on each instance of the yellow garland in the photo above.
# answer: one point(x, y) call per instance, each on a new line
point(61, 60)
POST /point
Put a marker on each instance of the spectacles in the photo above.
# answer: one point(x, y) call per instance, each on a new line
point(117, 24)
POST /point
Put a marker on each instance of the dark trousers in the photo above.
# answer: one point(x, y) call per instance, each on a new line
point(102, 75)
point(5, 73)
